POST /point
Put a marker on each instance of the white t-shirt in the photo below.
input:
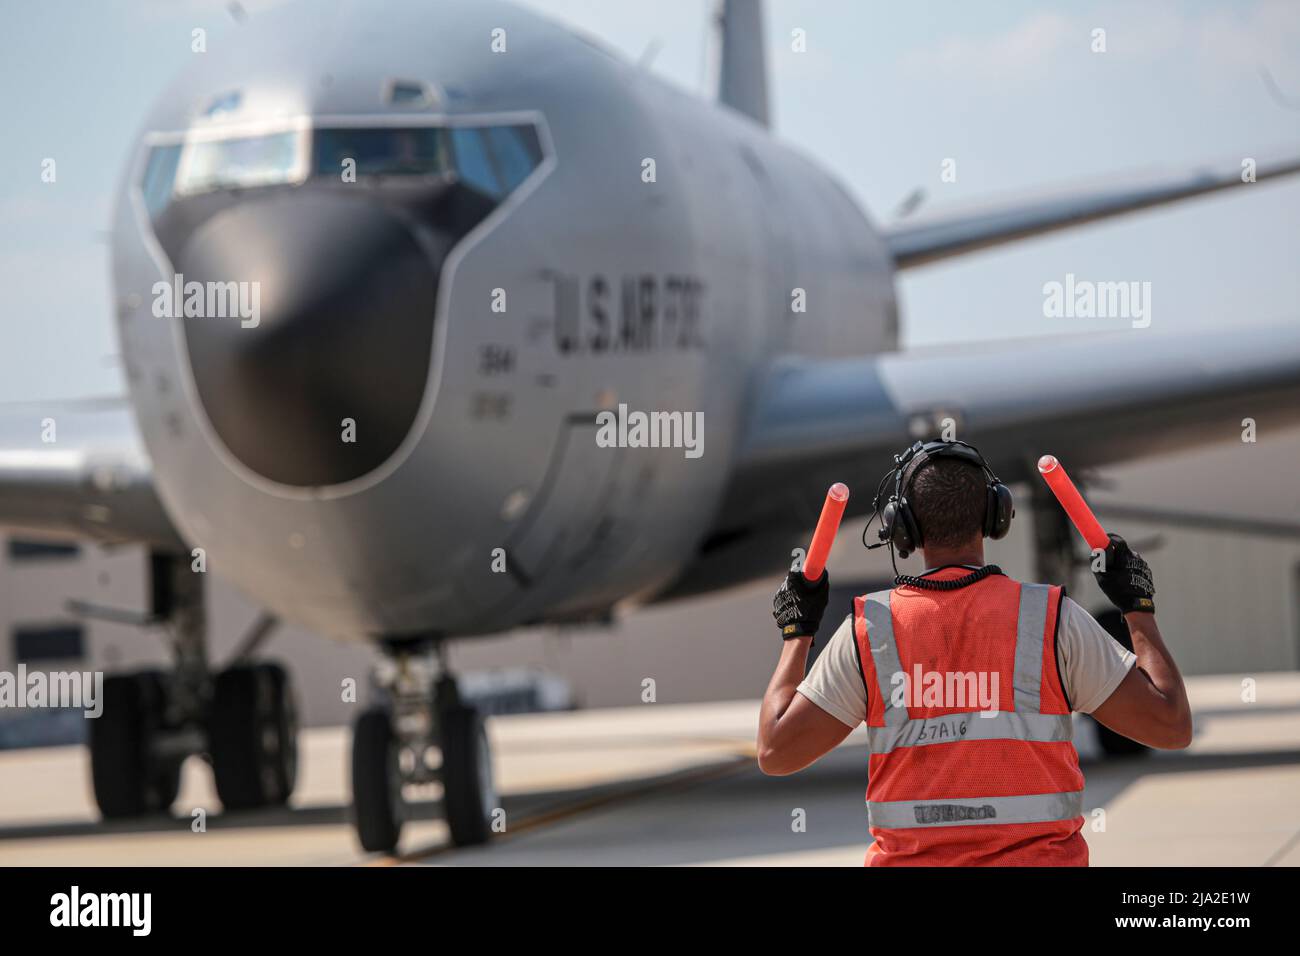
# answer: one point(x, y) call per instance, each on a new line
point(1092, 665)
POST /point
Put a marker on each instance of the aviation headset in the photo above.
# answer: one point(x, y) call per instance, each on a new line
point(898, 525)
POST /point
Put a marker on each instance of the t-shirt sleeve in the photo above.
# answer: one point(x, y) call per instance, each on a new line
point(835, 682)
point(1092, 662)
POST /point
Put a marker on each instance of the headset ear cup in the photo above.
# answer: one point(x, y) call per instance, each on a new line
point(904, 533)
point(1001, 509)
point(889, 521)
point(895, 521)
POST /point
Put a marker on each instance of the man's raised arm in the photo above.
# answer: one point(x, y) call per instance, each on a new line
point(793, 731)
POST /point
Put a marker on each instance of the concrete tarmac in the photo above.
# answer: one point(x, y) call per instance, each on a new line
point(662, 784)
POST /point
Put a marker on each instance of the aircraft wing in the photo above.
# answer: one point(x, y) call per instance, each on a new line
point(92, 481)
point(931, 237)
point(1088, 399)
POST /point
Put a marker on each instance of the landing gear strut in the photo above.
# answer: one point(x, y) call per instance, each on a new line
point(424, 732)
point(243, 719)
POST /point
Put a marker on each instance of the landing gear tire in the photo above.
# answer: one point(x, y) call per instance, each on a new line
point(1113, 744)
point(128, 778)
point(469, 794)
point(253, 736)
point(376, 782)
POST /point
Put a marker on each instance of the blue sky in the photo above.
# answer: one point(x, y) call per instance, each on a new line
point(884, 93)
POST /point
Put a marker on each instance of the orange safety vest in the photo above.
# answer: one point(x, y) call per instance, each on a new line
point(965, 785)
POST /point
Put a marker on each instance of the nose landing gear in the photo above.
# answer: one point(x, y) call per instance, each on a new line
point(424, 733)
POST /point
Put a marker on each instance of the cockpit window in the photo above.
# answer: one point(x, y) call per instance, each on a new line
point(516, 150)
point(490, 160)
point(225, 103)
point(409, 93)
point(412, 151)
point(238, 163)
point(473, 162)
point(159, 175)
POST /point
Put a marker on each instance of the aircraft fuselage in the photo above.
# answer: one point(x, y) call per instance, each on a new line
point(405, 442)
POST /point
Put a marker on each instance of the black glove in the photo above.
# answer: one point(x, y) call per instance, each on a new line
point(1127, 578)
point(799, 605)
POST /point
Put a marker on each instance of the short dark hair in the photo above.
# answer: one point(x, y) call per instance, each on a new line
point(948, 499)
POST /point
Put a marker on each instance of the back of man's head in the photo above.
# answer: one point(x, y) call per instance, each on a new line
point(948, 498)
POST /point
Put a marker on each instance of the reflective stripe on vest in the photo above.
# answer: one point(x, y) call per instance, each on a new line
point(1036, 808)
point(1026, 722)
point(1029, 647)
point(981, 725)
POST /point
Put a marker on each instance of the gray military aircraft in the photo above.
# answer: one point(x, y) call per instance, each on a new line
point(432, 242)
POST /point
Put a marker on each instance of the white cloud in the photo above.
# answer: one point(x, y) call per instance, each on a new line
point(1242, 35)
point(1025, 49)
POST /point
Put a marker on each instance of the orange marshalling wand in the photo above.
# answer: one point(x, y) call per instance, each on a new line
point(1073, 503)
point(832, 511)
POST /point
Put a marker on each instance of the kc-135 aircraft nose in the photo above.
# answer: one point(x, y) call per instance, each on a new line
point(304, 264)
point(318, 378)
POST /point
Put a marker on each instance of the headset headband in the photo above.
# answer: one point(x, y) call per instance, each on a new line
point(921, 454)
point(898, 525)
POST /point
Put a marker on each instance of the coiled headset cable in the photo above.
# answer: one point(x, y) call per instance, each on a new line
point(946, 584)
